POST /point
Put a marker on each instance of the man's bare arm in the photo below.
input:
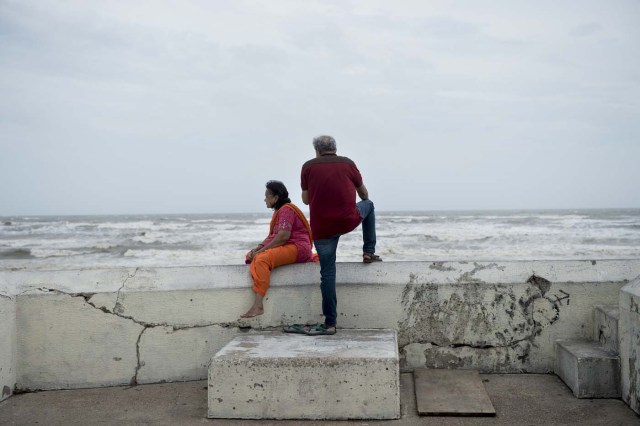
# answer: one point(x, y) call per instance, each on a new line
point(362, 192)
point(305, 197)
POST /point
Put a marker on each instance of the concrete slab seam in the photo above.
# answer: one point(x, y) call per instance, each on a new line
point(176, 327)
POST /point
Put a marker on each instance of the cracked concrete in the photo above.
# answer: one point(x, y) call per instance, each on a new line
point(496, 328)
point(184, 354)
point(139, 363)
point(490, 315)
point(117, 307)
point(65, 343)
point(167, 355)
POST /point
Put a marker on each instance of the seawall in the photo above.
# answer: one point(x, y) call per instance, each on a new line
point(7, 343)
point(105, 327)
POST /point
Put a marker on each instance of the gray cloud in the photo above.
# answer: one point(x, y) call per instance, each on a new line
point(149, 108)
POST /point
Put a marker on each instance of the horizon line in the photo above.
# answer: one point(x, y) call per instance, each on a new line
point(546, 209)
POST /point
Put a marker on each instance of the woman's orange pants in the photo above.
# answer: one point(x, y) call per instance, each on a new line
point(263, 263)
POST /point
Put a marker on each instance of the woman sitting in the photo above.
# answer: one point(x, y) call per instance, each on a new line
point(289, 241)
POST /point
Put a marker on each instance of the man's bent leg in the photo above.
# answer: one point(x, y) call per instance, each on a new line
point(368, 215)
point(327, 254)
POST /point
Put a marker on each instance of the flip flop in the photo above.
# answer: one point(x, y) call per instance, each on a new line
point(321, 330)
point(370, 258)
point(296, 329)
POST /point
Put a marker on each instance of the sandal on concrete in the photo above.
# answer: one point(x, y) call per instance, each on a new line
point(321, 330)
point(296, 328)
point(370, 258)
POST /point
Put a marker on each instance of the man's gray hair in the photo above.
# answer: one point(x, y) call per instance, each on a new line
point(324, 143)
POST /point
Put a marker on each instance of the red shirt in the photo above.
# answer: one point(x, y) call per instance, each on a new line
point(331, 181)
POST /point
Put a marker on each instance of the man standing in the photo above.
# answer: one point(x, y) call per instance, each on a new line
point(329, 185)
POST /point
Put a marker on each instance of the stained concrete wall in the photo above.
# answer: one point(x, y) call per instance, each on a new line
point(118, 326)
point(629, 333)
point(7, 343)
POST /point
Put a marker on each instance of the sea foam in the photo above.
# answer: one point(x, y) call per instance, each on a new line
point(223, 239)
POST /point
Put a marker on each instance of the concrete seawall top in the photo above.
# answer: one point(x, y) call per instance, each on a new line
point(387, 273)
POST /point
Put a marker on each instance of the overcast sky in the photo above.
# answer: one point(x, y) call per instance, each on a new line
point(191, 106)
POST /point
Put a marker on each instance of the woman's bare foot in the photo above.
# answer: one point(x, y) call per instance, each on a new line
point(253, 312)
point(256, 309)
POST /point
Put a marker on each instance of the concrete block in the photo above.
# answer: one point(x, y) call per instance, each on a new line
point(7, 346)
point(351, 375)
point(606, 326)
point(629, 332)
point(590, 370)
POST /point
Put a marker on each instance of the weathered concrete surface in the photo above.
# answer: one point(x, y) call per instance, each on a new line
point(495, 327)
point(182, 354)
point(629, 333)
point(7, 345)
point(351, 375)
point(519, 399)
point(64, 343)
point(389, 273)
point(451, 392)
point(490, 316)
point(590, 370)
point(606, 326)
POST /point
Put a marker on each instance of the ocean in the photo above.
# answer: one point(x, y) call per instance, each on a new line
point(72, 242)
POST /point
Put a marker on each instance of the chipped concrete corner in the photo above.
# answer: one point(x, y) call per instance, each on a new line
point(116, 327)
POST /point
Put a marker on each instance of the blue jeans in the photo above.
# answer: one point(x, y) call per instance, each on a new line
point(368, 215)
point(327, 249)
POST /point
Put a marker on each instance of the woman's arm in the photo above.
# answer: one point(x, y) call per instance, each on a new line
point(280, 239)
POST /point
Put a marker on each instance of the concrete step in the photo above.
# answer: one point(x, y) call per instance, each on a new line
point(589, 369)
point(353, 374)
point(606, 326)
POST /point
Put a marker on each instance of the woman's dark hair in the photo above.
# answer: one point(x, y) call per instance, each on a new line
point(277, 188)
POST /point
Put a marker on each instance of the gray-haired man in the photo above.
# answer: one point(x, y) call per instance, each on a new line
point(329, 185)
